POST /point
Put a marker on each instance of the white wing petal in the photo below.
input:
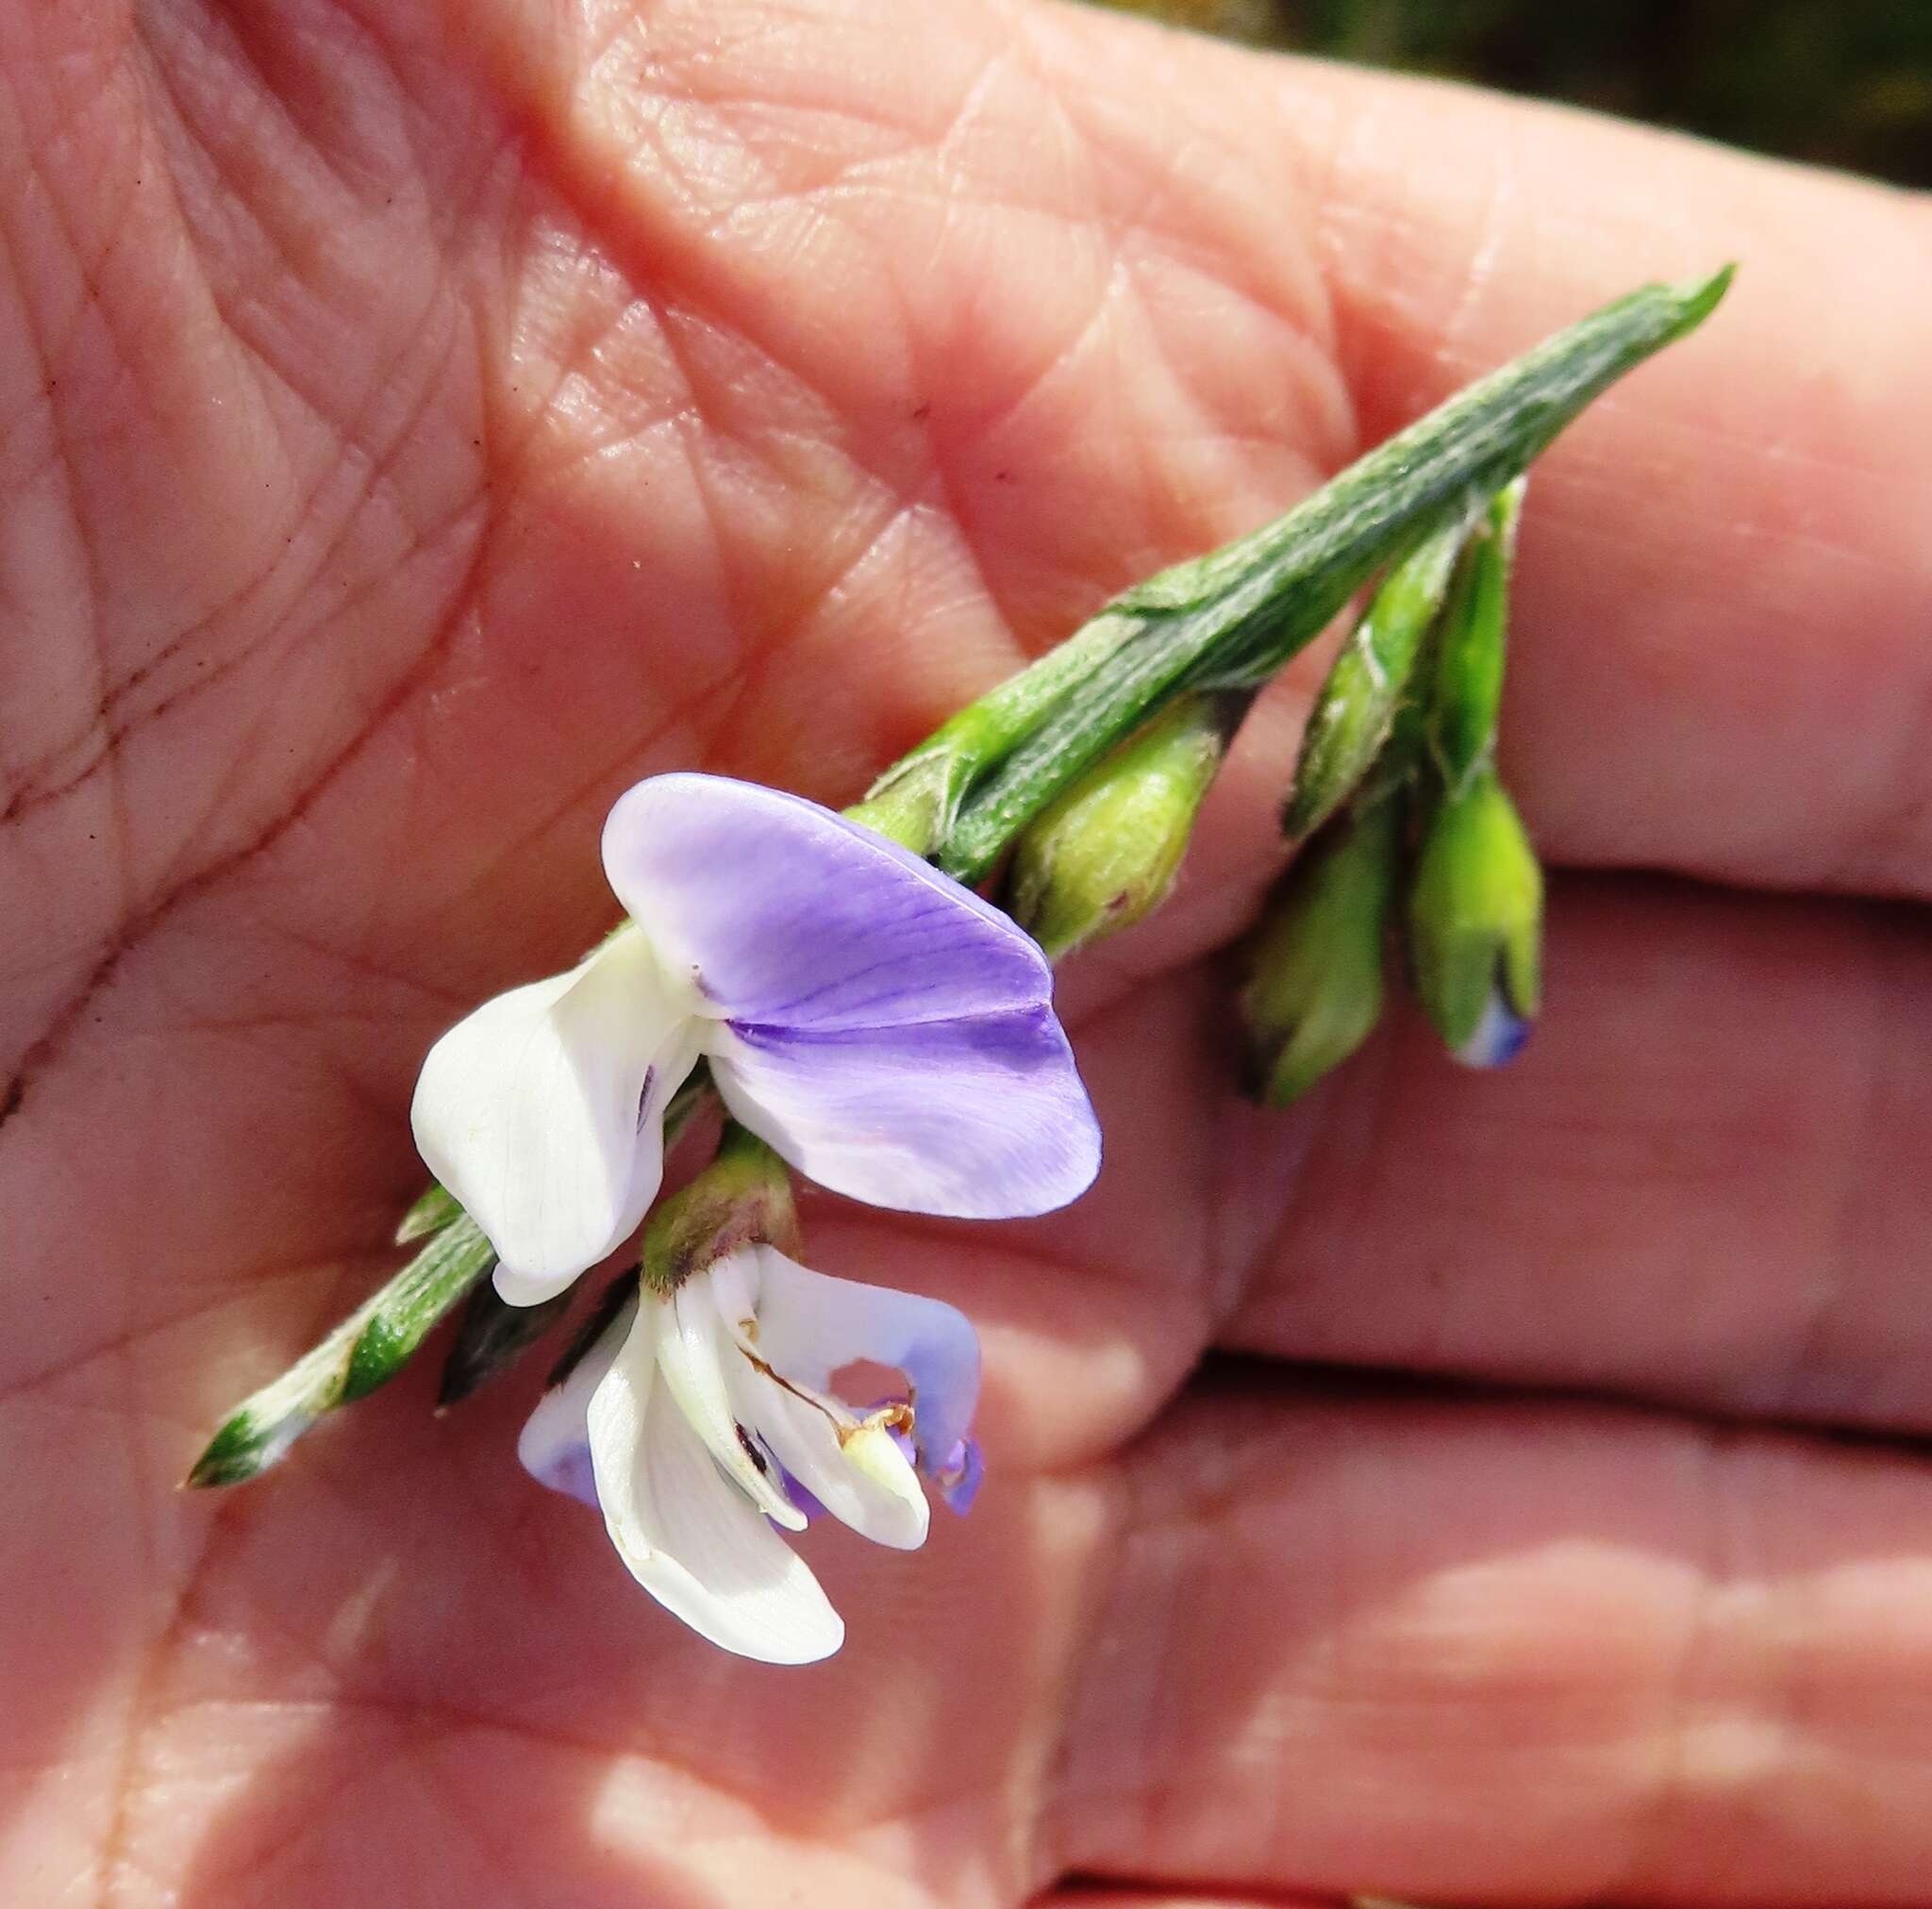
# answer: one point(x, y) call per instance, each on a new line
point(533, 1112)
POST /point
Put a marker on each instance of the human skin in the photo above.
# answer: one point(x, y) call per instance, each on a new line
point(419, 425)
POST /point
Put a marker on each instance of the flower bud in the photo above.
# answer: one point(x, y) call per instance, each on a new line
point(1357, 704)
point(1476, 924)
point(1315, 988)
point(1105, 853)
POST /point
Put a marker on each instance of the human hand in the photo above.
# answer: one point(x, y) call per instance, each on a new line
point(421, 424)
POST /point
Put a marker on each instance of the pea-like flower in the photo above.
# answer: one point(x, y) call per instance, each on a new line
point(704, 1422)
point(881, 1027)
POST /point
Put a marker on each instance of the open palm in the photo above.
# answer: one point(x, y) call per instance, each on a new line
point(422, 421)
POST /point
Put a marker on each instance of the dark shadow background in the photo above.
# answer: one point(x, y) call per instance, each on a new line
point(1835, 82)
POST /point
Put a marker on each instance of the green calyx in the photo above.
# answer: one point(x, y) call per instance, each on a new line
point(1475, 913)
point(744, 1198)
point(367, 1350)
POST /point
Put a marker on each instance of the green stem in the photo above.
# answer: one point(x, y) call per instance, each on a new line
point(370, 1347)
point(1231, 618)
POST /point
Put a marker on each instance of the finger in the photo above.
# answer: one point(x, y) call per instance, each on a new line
point(1701, 1181)
point(1442, 1651)
point(1720, 652)
point(1084, 1896)
point(1506, 1652)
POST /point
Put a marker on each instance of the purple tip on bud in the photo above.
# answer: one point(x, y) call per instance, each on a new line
point(1499, 1036)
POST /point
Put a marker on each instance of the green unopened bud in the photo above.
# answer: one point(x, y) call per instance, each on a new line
point(1475, 925)
point(1315, 990)
point(744, 1198)
point(1357, 706)
point(1466, 685)
point(1105, 853)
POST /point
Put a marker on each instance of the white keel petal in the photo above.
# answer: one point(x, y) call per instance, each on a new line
point(691, 1538)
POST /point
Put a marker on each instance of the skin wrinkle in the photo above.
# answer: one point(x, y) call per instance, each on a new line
point(1045, 1837)
point(1141, 1527)
point(738, 690)
point(1369, 1092)
point(58, 459)
point(693, 426)
point(268, 1277)
point(38, 1051)
point(1901, 801)
point(473, 506)
point(953, 495)
point(45, 1052)
point(1680, 1794)
point(377, 466)
point(27, 798)
point(139, 1724)
point(1812, 1333)
point(1730, 1563)
point(1651, 1828)
point(1328, 432)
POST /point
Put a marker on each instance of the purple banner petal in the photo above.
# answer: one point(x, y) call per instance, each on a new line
point(979, 1118)
point(885, 1029)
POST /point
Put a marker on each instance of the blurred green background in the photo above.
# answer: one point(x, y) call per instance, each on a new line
point(1838, 82)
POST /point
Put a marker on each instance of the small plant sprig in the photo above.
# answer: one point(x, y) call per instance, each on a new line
point(1074, 787)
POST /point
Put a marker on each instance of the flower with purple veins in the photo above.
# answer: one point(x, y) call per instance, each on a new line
point(701, 1420)
point(885, 1030)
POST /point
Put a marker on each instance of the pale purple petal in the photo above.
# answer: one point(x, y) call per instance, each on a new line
point(554, 1445)
point(1499, 1036)
point(810, 1324)
point(959, 1476)
point(975, 1118)
point(885, 1029)
point(792, 916)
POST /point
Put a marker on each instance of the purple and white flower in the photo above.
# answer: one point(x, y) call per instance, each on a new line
point(704, 1424)
point(881, 1027)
